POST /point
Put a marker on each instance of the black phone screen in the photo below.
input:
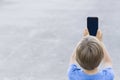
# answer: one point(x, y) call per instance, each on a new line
point(92, 25)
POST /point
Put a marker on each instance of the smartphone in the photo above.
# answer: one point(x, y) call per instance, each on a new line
point(92, 25)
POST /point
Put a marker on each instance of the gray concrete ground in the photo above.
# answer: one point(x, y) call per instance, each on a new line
point(38, 36)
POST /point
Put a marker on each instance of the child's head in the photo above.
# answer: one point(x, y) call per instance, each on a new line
point(89, 53)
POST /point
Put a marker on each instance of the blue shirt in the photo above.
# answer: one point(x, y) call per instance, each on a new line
point(75, 73)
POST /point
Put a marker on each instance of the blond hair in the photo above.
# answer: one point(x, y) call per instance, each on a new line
point(89, 53)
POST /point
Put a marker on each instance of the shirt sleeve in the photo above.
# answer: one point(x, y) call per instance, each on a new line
point(72, 71)
point(108, 73)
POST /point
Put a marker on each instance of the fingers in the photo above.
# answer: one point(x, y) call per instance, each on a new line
point(85, 32)
point(99, 34)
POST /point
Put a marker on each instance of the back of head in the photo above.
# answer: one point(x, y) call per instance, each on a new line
point(89, 53)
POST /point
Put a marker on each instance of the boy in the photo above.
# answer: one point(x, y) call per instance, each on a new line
point(89, 53)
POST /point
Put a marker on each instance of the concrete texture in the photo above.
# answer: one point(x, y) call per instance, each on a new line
point(37, 37)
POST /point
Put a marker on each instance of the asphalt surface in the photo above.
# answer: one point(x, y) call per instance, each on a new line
point(37, 37)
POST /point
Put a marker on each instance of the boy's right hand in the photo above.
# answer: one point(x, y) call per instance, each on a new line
point(99, 35)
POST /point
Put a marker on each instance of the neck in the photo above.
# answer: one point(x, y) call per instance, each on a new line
point(94, 71)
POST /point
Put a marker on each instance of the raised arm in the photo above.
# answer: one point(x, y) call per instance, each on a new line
point(72, 58)
point(107, 59)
